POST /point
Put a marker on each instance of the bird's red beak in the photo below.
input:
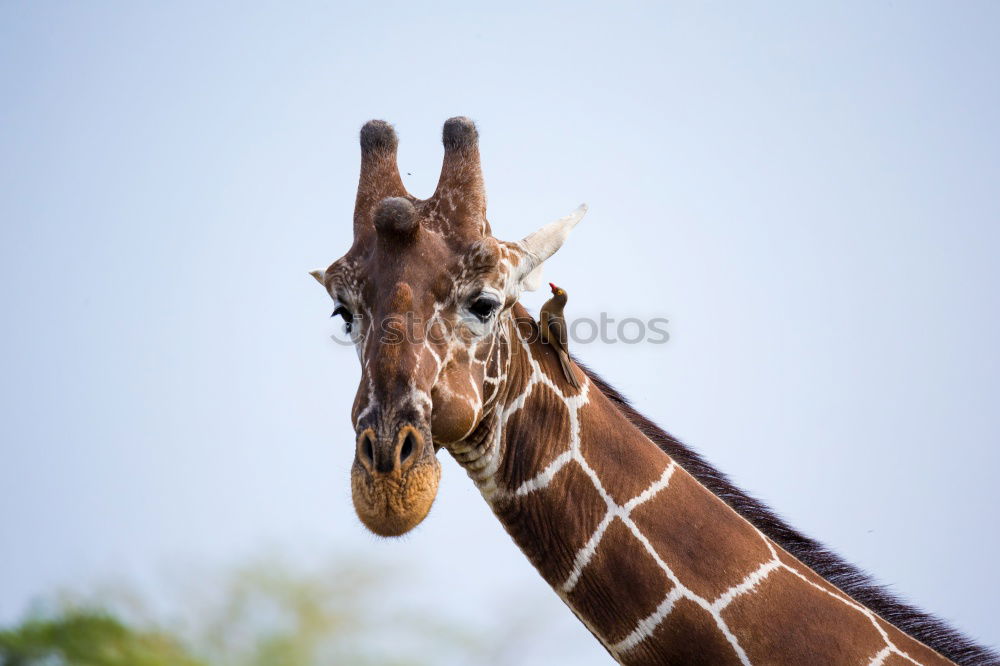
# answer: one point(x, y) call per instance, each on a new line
point(554, 288)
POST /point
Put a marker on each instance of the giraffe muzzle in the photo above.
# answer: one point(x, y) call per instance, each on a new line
point(394, 479)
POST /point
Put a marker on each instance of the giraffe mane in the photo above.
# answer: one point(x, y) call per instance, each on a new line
point(851, 580)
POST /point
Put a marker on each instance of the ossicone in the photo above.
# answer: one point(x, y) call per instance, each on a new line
point(395, 216)
point(379, 174)
point(459, 133)
point(460, 190)
point(378, 135)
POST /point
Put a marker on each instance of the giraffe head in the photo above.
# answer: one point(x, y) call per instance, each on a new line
point(424, 290)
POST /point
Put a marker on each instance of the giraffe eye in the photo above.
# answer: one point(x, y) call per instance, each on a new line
point(484, 307)
point(346, 315)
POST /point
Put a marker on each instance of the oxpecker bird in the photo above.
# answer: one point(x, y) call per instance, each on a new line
point(555, 331)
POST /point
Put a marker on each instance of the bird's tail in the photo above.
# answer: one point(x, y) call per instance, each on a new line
point(567, 368)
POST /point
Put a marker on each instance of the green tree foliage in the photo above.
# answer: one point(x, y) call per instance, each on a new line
point(86, 637)
point(264, 614)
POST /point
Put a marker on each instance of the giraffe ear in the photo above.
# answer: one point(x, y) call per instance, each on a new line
point(533, 280)
point(542, 244)
point(319, 277)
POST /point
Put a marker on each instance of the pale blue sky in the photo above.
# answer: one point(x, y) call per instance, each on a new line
point(809, 194)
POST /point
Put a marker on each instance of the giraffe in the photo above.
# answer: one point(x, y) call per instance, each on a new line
point(660, 557)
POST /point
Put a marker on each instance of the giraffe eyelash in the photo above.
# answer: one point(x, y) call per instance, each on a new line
point(344, 314)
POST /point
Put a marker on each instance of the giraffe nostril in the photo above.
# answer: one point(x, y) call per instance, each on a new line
point(366, 448)
point(409, 446)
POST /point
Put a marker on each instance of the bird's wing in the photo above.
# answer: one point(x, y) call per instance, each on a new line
point(558, 332)
point(543, 324)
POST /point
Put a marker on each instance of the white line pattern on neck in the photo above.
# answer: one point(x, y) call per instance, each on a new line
point(483, 472)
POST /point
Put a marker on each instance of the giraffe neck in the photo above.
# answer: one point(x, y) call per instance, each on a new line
point(656, 566)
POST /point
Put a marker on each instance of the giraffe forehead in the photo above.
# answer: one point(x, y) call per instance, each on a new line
point(436, 269)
